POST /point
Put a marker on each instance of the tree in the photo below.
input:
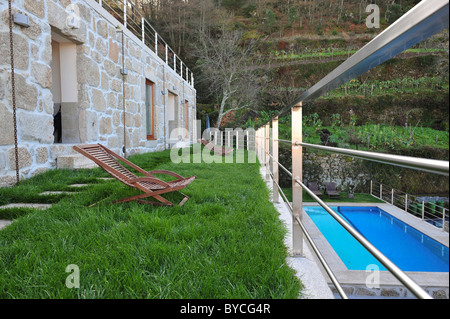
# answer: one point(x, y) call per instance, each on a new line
point(233, 4)
point(270, 21)
point(223, 63)
point(175, 19)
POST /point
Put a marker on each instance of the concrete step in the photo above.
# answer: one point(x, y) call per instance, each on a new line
point(74, 161)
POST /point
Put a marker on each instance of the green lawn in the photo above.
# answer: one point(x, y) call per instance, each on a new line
point(225, 242)
point(374, 137)
point(358, 197)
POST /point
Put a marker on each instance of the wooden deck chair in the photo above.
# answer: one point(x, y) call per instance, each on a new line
point(314, 187)
point(219, 150)
point(332, 191)
point(149, 184)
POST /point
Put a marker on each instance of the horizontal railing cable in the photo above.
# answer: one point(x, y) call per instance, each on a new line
point(429, 211)
point(280, 165)
point(423, 164)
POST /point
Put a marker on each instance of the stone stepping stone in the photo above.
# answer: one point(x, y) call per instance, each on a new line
point(27, 205)
point(4, 223)
point(56, 193)
point(79, 185)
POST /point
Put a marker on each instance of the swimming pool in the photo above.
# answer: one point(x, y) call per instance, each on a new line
point(405, 246)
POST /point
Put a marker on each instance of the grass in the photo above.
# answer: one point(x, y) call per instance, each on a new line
point(225, 242)
point(375, 137)
point(358, 197)
point(338, 52)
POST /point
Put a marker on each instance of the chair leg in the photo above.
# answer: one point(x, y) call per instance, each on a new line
point(184, 200)
point(162, 201)
point(92, 205)
point(140, 198)
point(141, 201)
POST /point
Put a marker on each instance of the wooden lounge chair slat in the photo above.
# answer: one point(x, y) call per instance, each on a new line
point(314, 187)
point(332, 191)
point(150, 185)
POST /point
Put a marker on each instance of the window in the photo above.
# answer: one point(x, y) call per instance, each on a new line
point(150, 118)
point(173, 116)
point(65, 90)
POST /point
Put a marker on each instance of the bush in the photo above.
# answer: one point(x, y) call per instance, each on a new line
point(270, 23)
point(232, 4)
point(249, 10)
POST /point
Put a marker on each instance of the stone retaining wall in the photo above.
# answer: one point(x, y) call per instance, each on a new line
point(321, 167)
point(346, 172)
point(388, 292)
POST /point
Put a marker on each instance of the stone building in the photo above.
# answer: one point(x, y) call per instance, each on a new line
point(87, 71)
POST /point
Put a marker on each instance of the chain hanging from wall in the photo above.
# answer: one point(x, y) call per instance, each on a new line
point(13, 91)
point(124, 73)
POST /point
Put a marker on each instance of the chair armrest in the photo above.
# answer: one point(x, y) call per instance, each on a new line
point(147, 179)
point(167, 173)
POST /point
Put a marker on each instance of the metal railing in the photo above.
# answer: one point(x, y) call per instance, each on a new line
point(265, 148)
point(233, 138)
point(422, 164)
point(433, 213)
point(127, 13)
point(316, 250)
point(424, 20)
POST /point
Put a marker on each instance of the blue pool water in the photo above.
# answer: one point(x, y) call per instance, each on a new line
point(405, 246)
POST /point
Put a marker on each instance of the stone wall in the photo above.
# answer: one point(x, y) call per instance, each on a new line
point(97, 115)
point(321, 167)
point(346, 172)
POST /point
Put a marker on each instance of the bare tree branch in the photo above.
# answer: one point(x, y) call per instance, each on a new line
point(222, 61)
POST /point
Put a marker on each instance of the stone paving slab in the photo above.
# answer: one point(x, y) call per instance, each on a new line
point(79, 185)
point(26, 205)
point(56, 193)
point(4, 223)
